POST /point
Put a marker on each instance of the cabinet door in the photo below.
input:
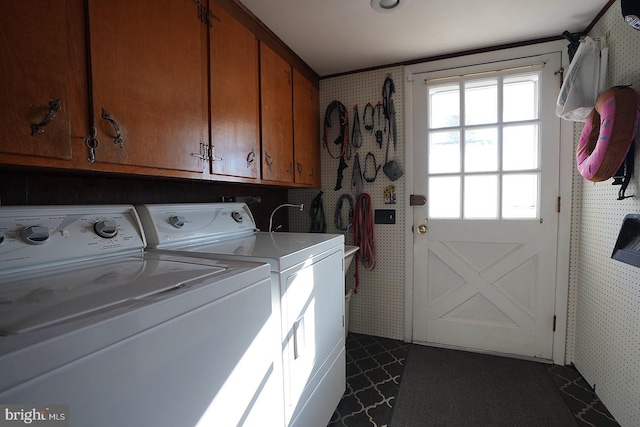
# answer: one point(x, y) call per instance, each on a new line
point(235, 98)
point(149, 83)
point(34, 78)
point(306, 131)
point(277, 116)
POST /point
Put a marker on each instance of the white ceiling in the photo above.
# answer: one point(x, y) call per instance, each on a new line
point(336, 36)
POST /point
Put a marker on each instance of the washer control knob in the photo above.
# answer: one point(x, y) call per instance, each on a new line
point(106, 228)
point(35, 234)
point(237, 216)
point(177, 221)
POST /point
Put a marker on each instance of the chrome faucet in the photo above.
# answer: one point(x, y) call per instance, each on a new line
point(291, 205)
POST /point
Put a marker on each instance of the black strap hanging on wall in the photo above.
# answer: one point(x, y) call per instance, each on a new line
point(624, 173)
point(378, 124)
point(337, 217)
point(356, 176)
point(376, 167)
point(388, 89)
point(318, 224)
point(343, 118)
point(368, 125)
point(391, 168)
point(356, 133)
point(341, 167)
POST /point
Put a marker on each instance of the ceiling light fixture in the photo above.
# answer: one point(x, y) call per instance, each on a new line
point(387, 5)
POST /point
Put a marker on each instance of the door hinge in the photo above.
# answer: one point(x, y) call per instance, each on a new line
point(554, 323)
point(559, 204)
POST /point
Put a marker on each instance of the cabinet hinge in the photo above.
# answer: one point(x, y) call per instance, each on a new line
point(204, 14)
point(554, 323)
point(559, 204)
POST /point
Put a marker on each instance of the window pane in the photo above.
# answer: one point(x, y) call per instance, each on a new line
point(520, 95)
point(481, 197)
point(444, 152)
point(444, 106)
point(444, 197)
point(481, 102)
point(520, 147)
point(481, 150)
point(520, 196)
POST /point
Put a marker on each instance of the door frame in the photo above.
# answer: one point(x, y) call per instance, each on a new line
point(565, 174)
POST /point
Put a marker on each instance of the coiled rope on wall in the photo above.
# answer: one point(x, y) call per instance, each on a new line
point(363, 234)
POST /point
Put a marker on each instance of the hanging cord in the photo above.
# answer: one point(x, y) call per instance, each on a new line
point(356, 133)
point(376, 167)
point(343, 137)
point(363, 234)
point(337, 217)
point(356, 176)
point(318, 224)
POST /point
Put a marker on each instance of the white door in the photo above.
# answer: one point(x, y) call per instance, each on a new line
point(486, 150)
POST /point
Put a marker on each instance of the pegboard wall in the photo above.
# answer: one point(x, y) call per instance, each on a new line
point(378, 307)
point(604, 301)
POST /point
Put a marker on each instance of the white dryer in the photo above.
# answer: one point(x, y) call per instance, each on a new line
point(308, 286)
point(131, 338)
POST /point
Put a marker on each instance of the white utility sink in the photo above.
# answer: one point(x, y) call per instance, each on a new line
point(349, 254)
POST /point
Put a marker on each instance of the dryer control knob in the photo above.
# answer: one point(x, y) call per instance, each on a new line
point(237, 216)
point(107, 228)
point(177, 221)
point(35, 234)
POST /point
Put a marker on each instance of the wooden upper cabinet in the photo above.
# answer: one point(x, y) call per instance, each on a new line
point(34, 78)
point(235, 97)
point(276, 102)
point(306, 131)
point(149, 80)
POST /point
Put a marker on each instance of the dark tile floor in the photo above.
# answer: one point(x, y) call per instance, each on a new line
point(582, 401)
point(374, 371)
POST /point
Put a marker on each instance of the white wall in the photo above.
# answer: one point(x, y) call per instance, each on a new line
point(605, 294)
point(378, 308)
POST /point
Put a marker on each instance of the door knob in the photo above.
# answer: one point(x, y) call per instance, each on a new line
point(422, 228)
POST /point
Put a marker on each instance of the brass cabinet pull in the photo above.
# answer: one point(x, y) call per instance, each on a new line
point(251, 157)
point(268, 160)
point(117, 139)
point(54, 107)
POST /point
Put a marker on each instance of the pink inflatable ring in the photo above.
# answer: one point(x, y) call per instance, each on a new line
point(608, 134)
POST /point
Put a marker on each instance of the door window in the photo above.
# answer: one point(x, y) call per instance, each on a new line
point(483, 140)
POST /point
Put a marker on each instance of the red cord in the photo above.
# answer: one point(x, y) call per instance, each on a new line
point(363, 234)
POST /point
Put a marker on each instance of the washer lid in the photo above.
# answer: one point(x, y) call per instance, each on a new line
point(33, 301)
point(280, 250)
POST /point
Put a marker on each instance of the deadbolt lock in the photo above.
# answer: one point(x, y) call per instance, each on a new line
point(422, 228)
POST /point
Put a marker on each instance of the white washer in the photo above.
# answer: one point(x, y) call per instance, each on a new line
point(308, 285)
point(127, 337)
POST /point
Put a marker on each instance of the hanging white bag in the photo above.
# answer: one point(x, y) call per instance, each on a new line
point(584, 82)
